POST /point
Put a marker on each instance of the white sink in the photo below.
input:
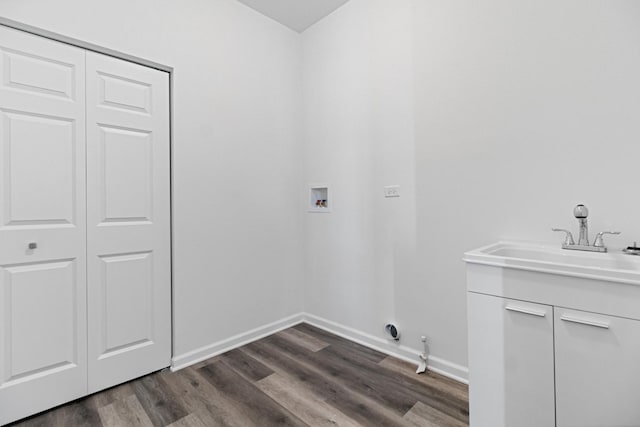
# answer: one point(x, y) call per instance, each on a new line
point(614, 266)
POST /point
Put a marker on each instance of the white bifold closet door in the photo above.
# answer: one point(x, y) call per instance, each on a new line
point(128, 241)
point(43, 316)
point(85, 274)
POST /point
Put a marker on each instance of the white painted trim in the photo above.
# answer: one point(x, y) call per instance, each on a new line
point(435, 364)
point(82, 44)
point(211, 350)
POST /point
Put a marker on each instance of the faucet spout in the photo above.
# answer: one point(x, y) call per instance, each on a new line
point(581, 213)
point(583, 236)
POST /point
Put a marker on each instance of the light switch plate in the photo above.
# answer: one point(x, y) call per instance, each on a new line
point(392, 191)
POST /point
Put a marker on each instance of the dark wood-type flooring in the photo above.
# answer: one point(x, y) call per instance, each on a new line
point(302, 376)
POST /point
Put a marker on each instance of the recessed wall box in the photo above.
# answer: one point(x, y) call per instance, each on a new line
point(319, 198)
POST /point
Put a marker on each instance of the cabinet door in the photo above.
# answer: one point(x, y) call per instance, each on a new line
point(597, 370)
point(43, 338)
point(510, 363)
point(128, 242)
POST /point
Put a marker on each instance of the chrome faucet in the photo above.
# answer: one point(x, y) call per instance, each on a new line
point(581, 213)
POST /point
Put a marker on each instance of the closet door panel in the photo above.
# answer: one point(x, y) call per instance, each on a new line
point(39, 172)
point(128, 220)
point(127, 161)
point(43, 356)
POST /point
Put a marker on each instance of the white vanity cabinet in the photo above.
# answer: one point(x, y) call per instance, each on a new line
point(510, 362)
point(554, 337)
point(597, 369)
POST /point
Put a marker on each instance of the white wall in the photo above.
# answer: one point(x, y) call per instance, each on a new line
point(359, 137)
point(237, 93)
point(522, 110)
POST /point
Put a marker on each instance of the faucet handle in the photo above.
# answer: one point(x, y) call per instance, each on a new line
point(580, 211)
point(599, 242)
point(568, 240)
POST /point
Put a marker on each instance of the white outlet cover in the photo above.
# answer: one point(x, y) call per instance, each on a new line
point(392, 191)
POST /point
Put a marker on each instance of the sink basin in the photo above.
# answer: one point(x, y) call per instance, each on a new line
point(614, 266)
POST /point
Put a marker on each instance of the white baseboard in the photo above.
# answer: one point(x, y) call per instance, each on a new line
point(435, 364)
point(211, 350)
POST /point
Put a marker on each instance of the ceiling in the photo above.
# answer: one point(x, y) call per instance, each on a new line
point(295, 14)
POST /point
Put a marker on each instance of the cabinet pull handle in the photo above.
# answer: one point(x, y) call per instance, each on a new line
point(526, 311)
point(584, 322)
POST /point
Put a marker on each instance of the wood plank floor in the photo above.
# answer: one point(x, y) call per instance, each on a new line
point(302, 376)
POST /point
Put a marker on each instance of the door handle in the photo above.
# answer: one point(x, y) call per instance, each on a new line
point(572, 319)
point(526, 311)
point(32, 245)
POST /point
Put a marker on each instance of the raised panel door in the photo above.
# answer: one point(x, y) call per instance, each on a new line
point(43, 345)
point(128, 220)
